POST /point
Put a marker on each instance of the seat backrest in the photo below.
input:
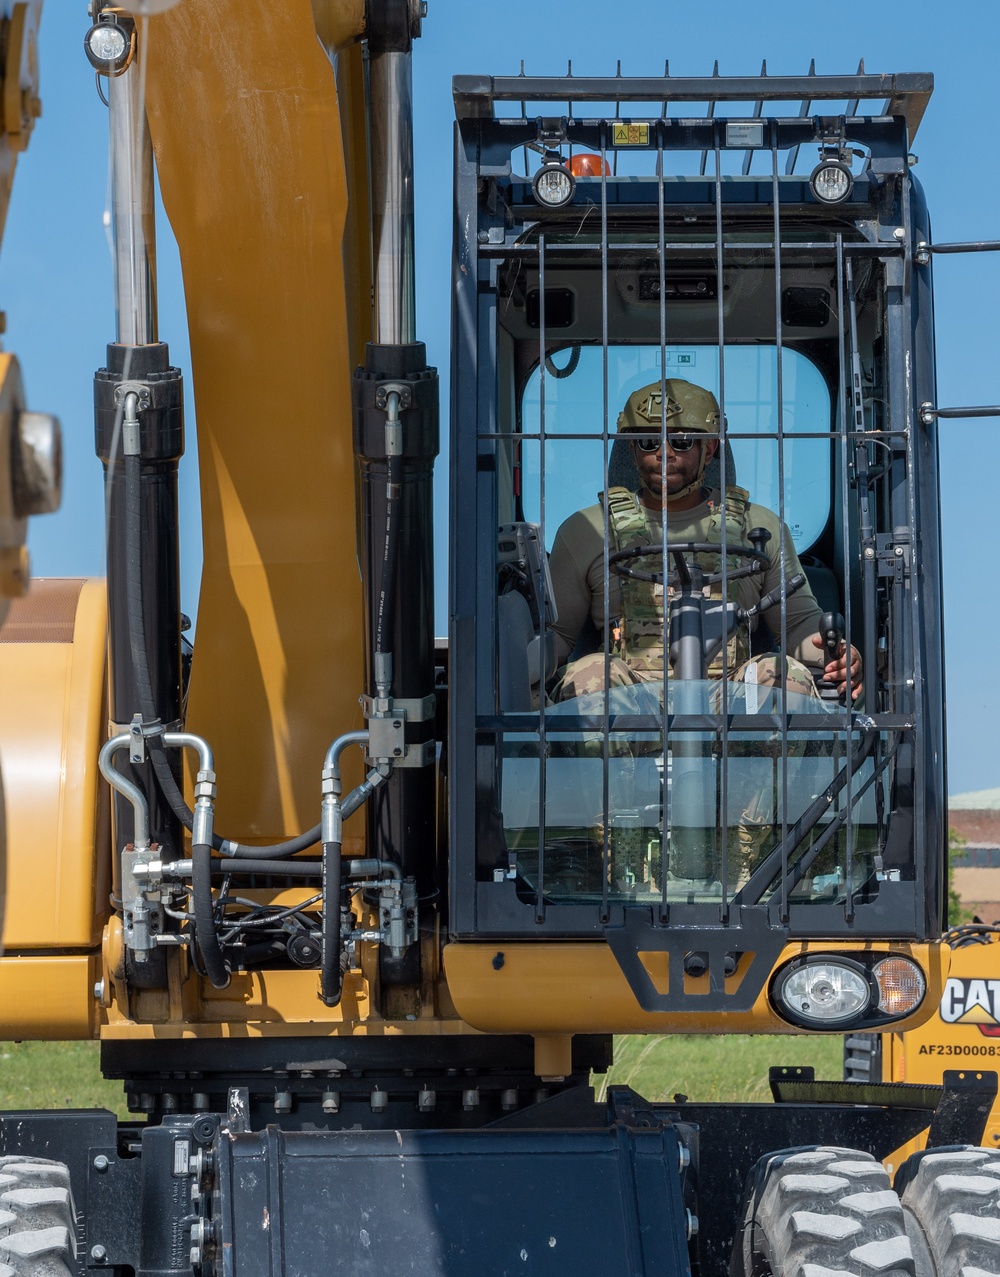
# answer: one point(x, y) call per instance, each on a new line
point(515, 632)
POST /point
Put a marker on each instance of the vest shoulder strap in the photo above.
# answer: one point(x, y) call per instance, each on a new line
point(625, 516)
point(735, 504)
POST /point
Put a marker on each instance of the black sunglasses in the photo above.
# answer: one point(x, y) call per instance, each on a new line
point(651, 443)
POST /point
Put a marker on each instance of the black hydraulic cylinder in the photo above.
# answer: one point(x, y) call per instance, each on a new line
point(161, 444)
point(401, 814)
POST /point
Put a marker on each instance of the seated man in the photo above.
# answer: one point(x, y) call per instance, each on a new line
point(694, 514)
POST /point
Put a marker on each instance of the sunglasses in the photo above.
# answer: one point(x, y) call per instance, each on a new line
point(676, 442)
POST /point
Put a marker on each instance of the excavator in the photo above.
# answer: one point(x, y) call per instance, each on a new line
point(355, 912)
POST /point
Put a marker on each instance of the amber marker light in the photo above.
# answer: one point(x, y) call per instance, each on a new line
point(587, 165)
point(901, 985)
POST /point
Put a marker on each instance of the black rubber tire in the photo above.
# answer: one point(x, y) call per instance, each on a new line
point(37, 1219)
point(951, 1197)
point(821, 1212)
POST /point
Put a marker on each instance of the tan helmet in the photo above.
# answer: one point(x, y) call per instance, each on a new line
point(689, 407)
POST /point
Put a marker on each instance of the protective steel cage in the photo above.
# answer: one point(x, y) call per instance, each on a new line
point(623, 814)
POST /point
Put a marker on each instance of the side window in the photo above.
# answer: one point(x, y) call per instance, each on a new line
point(571, 472)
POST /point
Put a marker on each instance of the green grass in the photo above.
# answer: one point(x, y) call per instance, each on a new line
point(54, 1075)
point(730, 1068)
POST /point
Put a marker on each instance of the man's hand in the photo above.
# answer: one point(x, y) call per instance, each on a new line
point(836, 670)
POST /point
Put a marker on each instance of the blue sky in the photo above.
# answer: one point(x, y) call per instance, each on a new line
point(56, 283)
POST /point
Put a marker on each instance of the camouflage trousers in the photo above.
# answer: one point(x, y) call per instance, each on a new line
point(752, 833)
point(587, 675)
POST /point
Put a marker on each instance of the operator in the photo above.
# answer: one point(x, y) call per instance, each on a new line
point(694, 514)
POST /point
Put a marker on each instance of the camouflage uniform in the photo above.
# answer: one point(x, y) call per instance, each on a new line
point(631, 616)
point(630, 612)
point(635, 608)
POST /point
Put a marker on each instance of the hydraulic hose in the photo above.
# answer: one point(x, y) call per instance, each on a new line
point(385, 612)
point(165, 778)
point(288, 868)
point(330, 975)
point(334, 813)
point(216, 966)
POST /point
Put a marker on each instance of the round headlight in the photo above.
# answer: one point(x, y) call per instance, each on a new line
point(553, 186)
point(901, 986)
point(108, 47)
point(831, 181)
point(823, 994)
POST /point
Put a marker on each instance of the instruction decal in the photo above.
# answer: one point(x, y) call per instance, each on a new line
point(624, 133)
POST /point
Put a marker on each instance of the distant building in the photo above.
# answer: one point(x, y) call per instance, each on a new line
point(976, 868)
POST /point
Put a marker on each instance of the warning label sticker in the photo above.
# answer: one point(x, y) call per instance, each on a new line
point(625, 134)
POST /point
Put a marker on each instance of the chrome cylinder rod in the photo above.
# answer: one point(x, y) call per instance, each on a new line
point(132, 209)
point(391, 86)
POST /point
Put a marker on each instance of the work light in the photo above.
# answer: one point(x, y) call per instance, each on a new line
point(553, 185)
point(108, 46)
point(831, 180)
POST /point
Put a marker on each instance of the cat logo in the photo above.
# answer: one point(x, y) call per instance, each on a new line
point(973, 1002)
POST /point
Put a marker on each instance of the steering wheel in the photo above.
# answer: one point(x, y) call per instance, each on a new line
point(621, 561)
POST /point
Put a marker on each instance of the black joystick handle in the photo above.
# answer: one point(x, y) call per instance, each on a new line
point(832, 629)
point(758, 538)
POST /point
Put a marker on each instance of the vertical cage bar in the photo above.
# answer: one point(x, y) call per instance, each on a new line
point(542, 739)
point(605, 567)
point(867, 537)
point(782, 565)
point(723, 824)
point(910, 424)
point(847, 390)
point(666, 618)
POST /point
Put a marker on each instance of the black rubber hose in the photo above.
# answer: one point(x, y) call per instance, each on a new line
point(274, 851)
point(762, 877)
point(137, 636)
point(385, 614)
point(258, 868)
point(330, 981)
point(144, 689)
point(215, 964)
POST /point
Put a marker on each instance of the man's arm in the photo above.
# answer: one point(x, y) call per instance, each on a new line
point(803, 615)
point(569, 565)
point(802, 612)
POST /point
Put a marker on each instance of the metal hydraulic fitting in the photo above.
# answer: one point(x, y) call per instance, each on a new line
point(141, 882)
point(205, 791)
point(398, 913)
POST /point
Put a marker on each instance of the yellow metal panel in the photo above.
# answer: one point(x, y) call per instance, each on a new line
point(580, 988)
point(923, 1053)
point(338, 22)
point(48, 998)
point(244, 118)
point(52, 724)
point(20, 106)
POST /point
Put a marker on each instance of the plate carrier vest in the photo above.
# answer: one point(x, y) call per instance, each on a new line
point(638, 634)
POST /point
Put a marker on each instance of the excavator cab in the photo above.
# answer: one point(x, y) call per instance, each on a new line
point(722, 830)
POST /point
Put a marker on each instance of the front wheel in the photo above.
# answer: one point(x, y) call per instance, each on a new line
point(37, 1221)
point(951, 1197)
point(821, 1212)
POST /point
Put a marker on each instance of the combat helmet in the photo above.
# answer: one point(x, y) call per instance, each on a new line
point(689, 408)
